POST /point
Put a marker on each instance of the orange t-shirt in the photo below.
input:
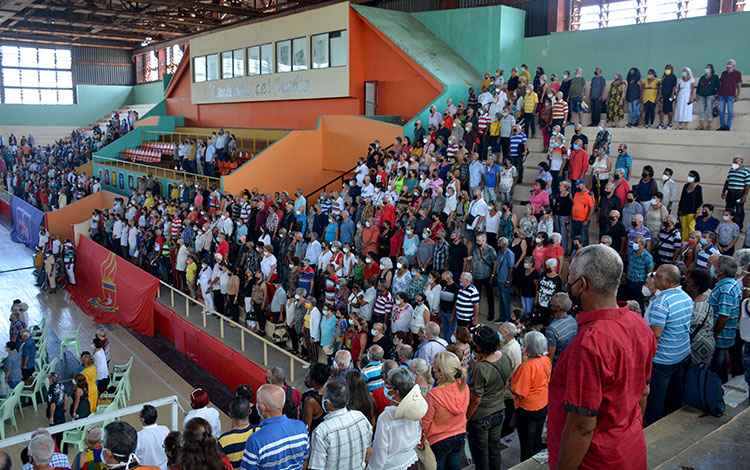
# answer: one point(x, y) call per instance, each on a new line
point(531, 381)
point(582, 202)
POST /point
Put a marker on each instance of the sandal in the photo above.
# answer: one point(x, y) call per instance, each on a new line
point(699, 128)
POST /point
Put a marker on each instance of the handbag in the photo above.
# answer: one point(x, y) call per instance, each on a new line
point(703, 390)
point(425, 455)
point(715, 111)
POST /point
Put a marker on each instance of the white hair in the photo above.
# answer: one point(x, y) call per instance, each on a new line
point(600, 265)
point(536, 343)
point(41, 449)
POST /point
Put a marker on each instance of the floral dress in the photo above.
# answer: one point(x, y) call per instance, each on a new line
point(528, 226)
point(615, 108)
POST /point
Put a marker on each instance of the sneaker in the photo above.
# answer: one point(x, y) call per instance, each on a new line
point(669, 126)
point(661, 126)
point(499, 322)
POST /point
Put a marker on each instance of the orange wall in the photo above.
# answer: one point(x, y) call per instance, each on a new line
point(308, 159)
point(59, 222)
point(404, 87)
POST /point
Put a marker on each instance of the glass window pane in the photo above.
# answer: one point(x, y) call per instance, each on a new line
point(226, 64)
point(299, 58)
point(319, 46)
point(30, 96)
point(13, 95)
point(283, 56)
point(28, 57)
point(199, 69)
point(65, 79)
point(266, 58)
point(212, 67)
point(47, 79)
point(29, 78)
point(65, 96)
point(12, 77)
point(64, 59)
point(49, 96)
point(239, 62)
point(10, 56)
point(47, 58)
point(253, 60)
point(338, 49)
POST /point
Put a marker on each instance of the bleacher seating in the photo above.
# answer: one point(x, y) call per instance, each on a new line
point(148, 153)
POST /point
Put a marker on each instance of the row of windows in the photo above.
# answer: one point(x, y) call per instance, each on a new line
point(32, 75)
point(326, 50)
point(602, 14)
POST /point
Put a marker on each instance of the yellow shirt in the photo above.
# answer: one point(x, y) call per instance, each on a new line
point(485, 83)
point(190, 272)
point(530, 101)
point(148, 203)
point(307, 320)
point(526, 75)
point(90, 374)
point(650, 88)
point(175, 194)
point(495, 128)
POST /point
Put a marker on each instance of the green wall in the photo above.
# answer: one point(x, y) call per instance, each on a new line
point(495, 35)
point(692, 42)
point(147, 93)
point(93, 102)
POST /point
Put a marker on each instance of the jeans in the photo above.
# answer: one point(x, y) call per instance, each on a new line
point(528, 304)
point(726, 106)
point(530, 426)
point(649, 113)
point(706, 112)
point(209, 166)
point(484, 441)
point(486, 285)
point(449, 327)
point(596, 111)
point(634, 112)
point(505, 147)
point(746, 362)
point(503, 295)
point(561, 226)
point(449, 452)
point(719, 363)
point(734, 202)
point(666, 390)
point(517, 162)
point(555, 183)
point(578, 230)
point(528, 122)
point(634, 291)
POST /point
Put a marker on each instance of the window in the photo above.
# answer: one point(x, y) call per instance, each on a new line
point(299, 57)
point(593, 14)
point(33, 75)
point(199, 69)
point(238, 61)
point(284, 56)
point(260, 59)
point(232, 64)
point(212, 67)
point(152, 65)
point(329, 50)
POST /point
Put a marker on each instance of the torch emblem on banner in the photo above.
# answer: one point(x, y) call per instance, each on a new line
point(108, 301)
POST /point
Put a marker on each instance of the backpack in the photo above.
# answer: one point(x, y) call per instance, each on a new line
point(290, 409)
point(703, 390)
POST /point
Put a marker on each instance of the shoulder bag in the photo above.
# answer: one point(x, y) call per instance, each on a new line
point(425, 455)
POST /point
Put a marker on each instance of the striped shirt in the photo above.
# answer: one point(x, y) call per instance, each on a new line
point(725, 302)
point(279, 443)
point(672, 309)
point(452, 150)
point(560, 333)
point(232, 444)
point(515, 141)
point(560, 110)
point(466, 299)
point(738, 179)
point(372, 375)
point(383, 304)
point(340, 442)
point(484, 121)
point(669, 243)
point(704, 254)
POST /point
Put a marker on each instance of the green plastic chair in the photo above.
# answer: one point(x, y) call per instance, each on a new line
point(35, 387)
point(14, 399)
point(74, 437)
point(6, 413)
point(42, 331)
point(122, 373)
point(71, 339)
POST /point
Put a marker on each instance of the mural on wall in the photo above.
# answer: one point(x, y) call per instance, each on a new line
point(106, 177)
point(122, 180)
point(131, 185)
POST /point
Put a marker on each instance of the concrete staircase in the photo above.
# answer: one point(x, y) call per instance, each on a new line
point(141, 109)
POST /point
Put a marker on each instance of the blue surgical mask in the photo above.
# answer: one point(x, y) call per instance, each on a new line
point(713, 273)
point(387, 394)
point(373, 332)
point(684, 74)
point(576, 147)
point(600, 128)
point(636, 246)
point(703, 242)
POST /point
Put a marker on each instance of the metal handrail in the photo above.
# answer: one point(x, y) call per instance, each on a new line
point(205, 311)
point(241, 141)
point(165, 173)
point(94, 419)
point(323, 188)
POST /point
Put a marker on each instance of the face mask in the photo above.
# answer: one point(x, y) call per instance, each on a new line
point(667, 72)
point(703, 242)
point(654, 201)
point(565, 76)
point(729, 67)
point(645, 291)
point(616, 177)
point(612, 219)
point(636, 246)
point(536, 186)
point(690, 179)
point(538, 240)
point(633, 223)
point(368, 260)
point(576, 299)
point(600, 128)
point(387, 394)
point(408, 232)
point(735, 166)
point(726, 218)
point(414, 274)
point(664, 177)
point(399, 265)
point(367, 224)
point(468, 129)
point(424, 236)
point(707, 70)
point(576, 147)
point(644, 175)
point(713, 273)
point(705, 213)
point(526, 265)
point(684, 74)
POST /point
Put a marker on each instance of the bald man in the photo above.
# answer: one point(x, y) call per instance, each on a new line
point(261, 449)
point(668, 315)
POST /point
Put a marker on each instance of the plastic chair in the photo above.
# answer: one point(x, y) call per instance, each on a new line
point(75, 437)
point(35, 387)
point(14, 399)
point(6, 413)
point(38, 333)
point(71, 339)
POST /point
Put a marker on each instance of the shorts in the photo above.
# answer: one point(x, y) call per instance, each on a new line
point(575, 104)
point(666, 105)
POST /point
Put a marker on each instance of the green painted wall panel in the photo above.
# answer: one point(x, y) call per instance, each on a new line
point(495, 39)
point(691, 42)
point(94, 102)
point(148, 93)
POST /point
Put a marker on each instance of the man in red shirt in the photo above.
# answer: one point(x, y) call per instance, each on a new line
point(578, 163)
point(729, 93)
point(598, 389)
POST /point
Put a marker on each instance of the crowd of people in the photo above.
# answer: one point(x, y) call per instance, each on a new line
point(198, 155)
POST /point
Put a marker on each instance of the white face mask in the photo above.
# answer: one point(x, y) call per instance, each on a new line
point(664, 177)
point(690, 179)
point(735, 166)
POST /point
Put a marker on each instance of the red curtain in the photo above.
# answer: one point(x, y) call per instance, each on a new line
point(112, 290)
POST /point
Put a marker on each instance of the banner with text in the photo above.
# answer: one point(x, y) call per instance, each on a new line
point(25, 222)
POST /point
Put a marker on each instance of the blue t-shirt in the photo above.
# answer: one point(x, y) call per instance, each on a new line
point(347, 231)
point(673, 310)
point(330, 235)
point(28, 348)
point(725, 301)
point(708, 225)
point(490, 175)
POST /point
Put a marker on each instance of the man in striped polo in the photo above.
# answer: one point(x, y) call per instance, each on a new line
point(668, 315)
point(466, 309)
point(736, 187)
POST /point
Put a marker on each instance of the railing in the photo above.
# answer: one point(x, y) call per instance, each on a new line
point(205, 311)
point(5, 195)
point(243, 144)
point(164, 173)
point(94, 419)
point(339, 178)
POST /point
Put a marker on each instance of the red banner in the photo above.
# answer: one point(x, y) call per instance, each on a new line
point(113, 290)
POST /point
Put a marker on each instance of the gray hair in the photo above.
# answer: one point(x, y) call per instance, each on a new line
point(742, 256)
point(404, 351)
point(468, 277)
point(601, 265)
point(710, 235)
point(536, 343)
point(402, 380)
point(301, 291)
point(509, 328)
point(337, 393)
point(432, 329)
point(620, 171)
point(422, 369)
point(277, 375)
point(606, 238)
point(729, 265)
point(562, 300)
point(556, 237)
point(387, 263)
point(502, 241)
point(41, 449)
point(375, 353)
point(267, 397)
point(343, 357)
point(388, 364)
